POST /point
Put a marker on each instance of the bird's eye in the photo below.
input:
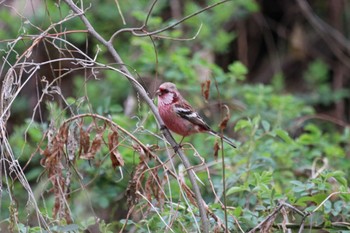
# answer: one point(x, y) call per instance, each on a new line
point(165, 91)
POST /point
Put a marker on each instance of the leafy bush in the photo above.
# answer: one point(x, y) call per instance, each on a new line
point(84, 164)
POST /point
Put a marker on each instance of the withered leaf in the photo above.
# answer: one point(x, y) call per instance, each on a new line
point(84, 141)
point(267, 225)
point(131, 196)
point(223, 123)
point(152, 185)
point(143, 154)
point(51, 134)
point(72, 141)
point(63, 134)
point(148, 187)
point(96, 144)
point(190, 195)
point(206, 89)
point(115, 155)
point(216, 150)
point(87, 156)
point(94, 148)
point(134, 184)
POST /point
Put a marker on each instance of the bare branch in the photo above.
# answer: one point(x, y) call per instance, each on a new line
point(333, 38)
point(180, 21)
point(270, 218)
point(148, 100)
point(134, 31)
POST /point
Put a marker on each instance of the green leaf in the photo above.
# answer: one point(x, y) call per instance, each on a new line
point(238, 211)
point(86, 222)
point(304, 201)
point(334, 150)
point(256, 120)
point(339, 176)
point(235, 189)
point(319, 198)
point(284, 136)
point(265, 125)
point(238, 68)
point(241, 124)
point(67, 228)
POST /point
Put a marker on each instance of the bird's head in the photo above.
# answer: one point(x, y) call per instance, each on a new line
point(167, 93)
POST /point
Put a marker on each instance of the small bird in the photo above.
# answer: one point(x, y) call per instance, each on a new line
point(179, 116)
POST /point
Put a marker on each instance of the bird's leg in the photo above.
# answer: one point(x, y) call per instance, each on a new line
point(176, 148)
point(178, 145)
point(163, 127)
point(183, 137)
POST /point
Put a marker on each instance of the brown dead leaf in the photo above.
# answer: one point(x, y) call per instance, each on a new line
point(268, 224)
point(94, 148)
point(96, 144)
point(216, 150)
point(144, 155)
point(62, 135)
point(206, 89)
point(190, 195)
point(50, 134)
point(116, 158)
point(131, 197)
point(223, 123)
point(153, 184)
point(148, 188)
point(134, 184)
point(114, 153)
point(55, 149)
point(52, 161)
point(285, 219)
point(72, 141)
point(84, 141)
point(87, 156)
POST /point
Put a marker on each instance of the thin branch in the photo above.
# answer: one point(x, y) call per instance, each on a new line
point(120, 12)
point(149, 13)
point(333, 226)
point(329, 196)
point(148, 100)
point(323, 117)
point(302, 225)
point(181, 39)
point(270, 216)
point(180, 21)
point(273, 214)
point(137, 28)
point(333, 38)
point(142, 28)
point(155, 210)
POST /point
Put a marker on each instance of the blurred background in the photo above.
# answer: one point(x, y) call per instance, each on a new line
point(281, 67)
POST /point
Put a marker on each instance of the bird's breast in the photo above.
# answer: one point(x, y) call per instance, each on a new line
point(174, 122)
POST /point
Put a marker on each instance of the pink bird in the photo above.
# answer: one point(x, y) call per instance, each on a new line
point(179, 116)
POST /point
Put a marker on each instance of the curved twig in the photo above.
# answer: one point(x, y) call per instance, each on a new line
point(142, 92)
point(180, 21)
point(134, 31)
point(336, 41)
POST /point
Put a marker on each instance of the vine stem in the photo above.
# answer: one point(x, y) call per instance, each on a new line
point(166, 133)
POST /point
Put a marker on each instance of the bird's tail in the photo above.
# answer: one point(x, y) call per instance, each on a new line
point(226, 139)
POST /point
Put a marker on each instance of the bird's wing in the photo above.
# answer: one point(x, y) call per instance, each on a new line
point(185, 111)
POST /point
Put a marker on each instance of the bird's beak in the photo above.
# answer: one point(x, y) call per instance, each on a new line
point(158, 92)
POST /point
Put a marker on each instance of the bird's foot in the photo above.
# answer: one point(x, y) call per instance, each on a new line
point(163, 127)
point(177, 147)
